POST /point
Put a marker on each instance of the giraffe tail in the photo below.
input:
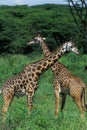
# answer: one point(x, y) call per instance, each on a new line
point(83, 97)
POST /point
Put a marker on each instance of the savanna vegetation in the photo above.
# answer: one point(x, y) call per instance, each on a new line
point(19, 23)
point(42, 116)
point(17, 26)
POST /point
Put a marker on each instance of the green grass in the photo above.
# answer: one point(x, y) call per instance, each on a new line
point(42, 116)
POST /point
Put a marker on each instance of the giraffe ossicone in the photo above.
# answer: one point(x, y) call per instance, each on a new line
point(67, 46)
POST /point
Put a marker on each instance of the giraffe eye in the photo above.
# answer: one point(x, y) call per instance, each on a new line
point(35, 40)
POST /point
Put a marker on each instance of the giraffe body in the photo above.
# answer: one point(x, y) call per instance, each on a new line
point(65, 83)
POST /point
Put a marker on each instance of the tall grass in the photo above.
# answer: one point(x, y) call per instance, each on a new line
point(42, 116)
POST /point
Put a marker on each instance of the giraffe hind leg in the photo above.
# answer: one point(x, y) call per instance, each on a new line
point(80, 106)
point(7, 101)
point(83, 97)
point(86, 107)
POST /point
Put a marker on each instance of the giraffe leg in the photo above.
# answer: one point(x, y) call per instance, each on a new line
point(30, 100)
point(7, 100)
point(80, 106)
point(83, 97)
point(63, 101)
point(56, 101)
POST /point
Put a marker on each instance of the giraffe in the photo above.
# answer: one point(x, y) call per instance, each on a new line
point(26, 82)
point(65, 83)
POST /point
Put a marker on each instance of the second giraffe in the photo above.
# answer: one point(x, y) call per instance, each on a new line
point(64, 81)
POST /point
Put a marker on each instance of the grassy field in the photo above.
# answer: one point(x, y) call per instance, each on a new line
point(42, 116)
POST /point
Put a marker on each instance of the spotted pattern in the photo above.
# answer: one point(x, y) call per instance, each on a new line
point(26, 82)
point(65, 83)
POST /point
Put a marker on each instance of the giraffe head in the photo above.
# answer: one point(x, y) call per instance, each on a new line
point(67, 46)
point(37, 39)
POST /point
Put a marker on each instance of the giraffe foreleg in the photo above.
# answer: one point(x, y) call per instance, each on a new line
point(57, 96)
point(63, 101)
point(56, 101)
point(30, 100)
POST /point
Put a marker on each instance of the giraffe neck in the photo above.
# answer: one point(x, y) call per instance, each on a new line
point(47, 52)
point(45, 49)
point(48, 61)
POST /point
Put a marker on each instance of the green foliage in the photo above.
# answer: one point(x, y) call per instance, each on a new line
point(19, 23)
point(17, 26)
point(42, 116)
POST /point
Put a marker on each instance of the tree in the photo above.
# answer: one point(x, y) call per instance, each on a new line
point(78, 10)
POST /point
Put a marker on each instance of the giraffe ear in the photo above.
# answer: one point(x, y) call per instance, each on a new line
point(39, 33)
point(44, 38)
